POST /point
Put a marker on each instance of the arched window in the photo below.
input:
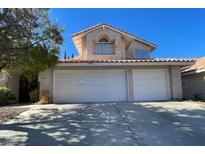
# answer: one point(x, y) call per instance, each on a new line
point(103, 40)
point(104, 47)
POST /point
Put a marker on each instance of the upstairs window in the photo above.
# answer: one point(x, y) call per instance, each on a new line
point(104, 47)
point(141, 54)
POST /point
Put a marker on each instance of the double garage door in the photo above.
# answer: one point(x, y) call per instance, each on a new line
point(89, 86)
point(109, 85)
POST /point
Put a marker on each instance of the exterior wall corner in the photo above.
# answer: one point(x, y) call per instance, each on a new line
point(46, 82)
point(175, 82)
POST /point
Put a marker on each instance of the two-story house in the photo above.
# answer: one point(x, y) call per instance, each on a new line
point(113, 65)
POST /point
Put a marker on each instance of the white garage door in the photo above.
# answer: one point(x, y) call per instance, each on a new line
point(151, 84)
point(89, 86)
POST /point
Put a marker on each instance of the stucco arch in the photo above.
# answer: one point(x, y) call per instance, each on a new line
point(104, 35)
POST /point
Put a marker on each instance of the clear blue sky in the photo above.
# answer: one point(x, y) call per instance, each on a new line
point(179, 33)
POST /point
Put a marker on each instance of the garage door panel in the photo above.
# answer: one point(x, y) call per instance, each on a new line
point(90, 86)
point(151, 84)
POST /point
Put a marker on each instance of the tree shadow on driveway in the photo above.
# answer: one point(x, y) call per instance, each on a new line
point(94, 124)
point(165, 124)
point(107, 124)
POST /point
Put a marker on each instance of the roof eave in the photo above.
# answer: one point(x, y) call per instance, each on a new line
point(193, 72)
point(125, 64)
point(84, 32)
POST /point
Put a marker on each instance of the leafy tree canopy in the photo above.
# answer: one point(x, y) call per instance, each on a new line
point(28, 40)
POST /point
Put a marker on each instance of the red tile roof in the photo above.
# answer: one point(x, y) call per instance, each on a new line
point(130, 60)
point(199, 65)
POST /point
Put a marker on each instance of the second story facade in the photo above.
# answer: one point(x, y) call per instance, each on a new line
point(104, 41)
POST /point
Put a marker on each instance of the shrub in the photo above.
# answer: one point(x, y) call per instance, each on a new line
point(6, 95)
point(34, 95)
point(45, 98)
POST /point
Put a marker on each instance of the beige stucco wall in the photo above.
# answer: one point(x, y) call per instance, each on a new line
point(46, 82)
point(12, 82)
point(176, 83)
point(94, 37)
point(130, 86)
point(46, 79)
point(123, 45)
point(194, 86)
point(136, 46)
point(3, 78)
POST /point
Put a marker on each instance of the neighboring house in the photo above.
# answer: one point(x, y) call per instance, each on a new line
point(113, 65)
point(193, 78)
point(11, 81)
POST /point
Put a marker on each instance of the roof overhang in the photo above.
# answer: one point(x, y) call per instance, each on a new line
point(80, 34)
point(197, 67)
point(124, 64)
point(193, 72)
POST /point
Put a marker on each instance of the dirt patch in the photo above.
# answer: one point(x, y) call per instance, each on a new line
point(7, 113)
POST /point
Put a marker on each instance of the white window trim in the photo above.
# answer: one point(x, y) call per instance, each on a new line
point(98, 43)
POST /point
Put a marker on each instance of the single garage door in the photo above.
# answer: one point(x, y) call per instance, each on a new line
point(89, 86)
point(151, 84)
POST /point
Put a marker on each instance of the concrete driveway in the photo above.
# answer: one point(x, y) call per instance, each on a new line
point(159, 123)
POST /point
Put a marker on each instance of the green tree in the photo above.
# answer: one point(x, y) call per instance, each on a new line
point(28, 40)
point(65, 57)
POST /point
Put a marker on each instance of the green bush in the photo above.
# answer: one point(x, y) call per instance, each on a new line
point(6, 95)
point(34, 95)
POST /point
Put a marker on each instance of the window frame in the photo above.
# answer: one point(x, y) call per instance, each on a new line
point(103, 47)
point(141, 54)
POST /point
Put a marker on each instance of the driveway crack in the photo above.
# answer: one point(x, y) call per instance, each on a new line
point(126, 123)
